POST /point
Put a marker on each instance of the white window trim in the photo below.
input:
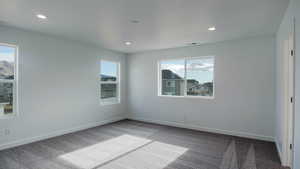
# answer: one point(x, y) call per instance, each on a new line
point(14, 82)
point(185, 79)
point(104, 102)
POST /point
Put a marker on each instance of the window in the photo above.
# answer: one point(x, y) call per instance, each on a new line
point(187, 77)
point(8, 85)
point(109, 82)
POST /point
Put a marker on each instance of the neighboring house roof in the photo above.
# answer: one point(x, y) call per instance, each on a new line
point(168, 74)
point(192, 81)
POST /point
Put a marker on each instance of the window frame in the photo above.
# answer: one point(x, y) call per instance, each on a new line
point(185, 78)
point(111, 101)
point(14, 82)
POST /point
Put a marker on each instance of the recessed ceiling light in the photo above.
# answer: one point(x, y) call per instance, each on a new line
point(212, 28)
point(41, 16)
point(135, 21)
point(127, 43)
point(193, 44)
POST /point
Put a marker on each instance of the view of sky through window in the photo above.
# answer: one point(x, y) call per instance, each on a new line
point(200, 69)
point(109, 68)
point(7, 59)
point(176, 66)
point(7, 54)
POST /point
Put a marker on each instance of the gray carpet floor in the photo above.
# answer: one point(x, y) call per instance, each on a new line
point(137, 145)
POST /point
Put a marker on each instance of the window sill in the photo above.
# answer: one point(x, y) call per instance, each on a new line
point(188, 97)
point(7, 117)
point(109, 103)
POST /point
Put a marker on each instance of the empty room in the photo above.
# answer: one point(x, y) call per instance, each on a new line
point(149, 84)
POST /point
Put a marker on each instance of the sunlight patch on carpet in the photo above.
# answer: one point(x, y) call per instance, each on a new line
point(97, 154)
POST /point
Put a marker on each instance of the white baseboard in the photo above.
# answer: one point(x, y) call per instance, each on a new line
point(206, 129)
point(58, 133)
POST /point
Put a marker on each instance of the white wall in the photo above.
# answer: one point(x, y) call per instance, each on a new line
point(244, 101)
point(58, 87)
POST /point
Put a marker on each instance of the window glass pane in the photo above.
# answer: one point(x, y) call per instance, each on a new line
point(200, 78)
point(7, 60)
point(172, 73)
point(108, 91)
point(6, 98)
point(109, 71)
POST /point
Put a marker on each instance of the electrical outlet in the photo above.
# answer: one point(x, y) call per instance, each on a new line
point(6, 132)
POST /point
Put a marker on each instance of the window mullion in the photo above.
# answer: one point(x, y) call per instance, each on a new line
point(185, 77)
point(109, 82)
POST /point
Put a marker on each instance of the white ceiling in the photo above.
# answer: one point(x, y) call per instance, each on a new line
point(163, 23)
